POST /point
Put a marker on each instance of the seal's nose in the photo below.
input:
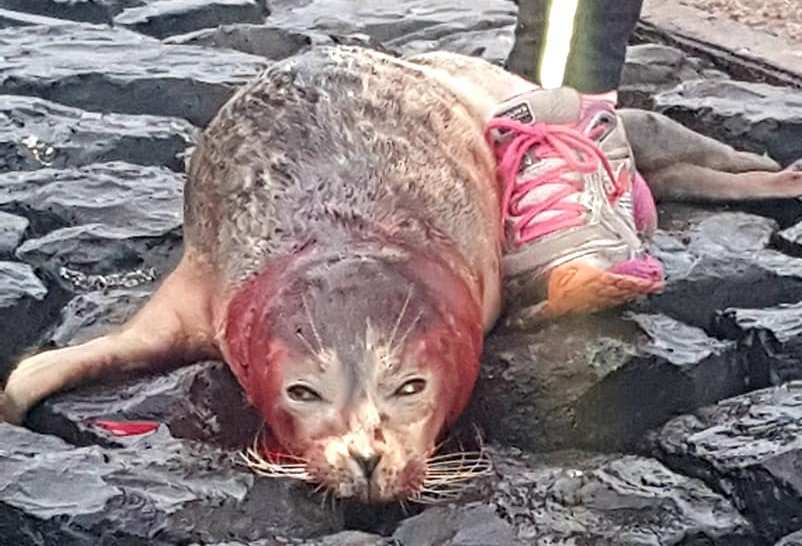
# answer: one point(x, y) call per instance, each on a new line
point(367, 464)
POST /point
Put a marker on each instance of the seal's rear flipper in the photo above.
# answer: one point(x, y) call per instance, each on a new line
point(679, 163)
point(155, 338)
point(695, 183)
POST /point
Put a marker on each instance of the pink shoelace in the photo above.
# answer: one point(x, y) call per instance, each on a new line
point(580, 155)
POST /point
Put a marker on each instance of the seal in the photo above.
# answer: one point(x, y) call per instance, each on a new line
point(342, 254)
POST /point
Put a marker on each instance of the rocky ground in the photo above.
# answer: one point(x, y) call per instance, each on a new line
point(674, 422)
point(777, 17)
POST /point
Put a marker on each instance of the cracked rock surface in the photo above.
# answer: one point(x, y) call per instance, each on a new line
point(24, 309)
point(608, 381)
point(36, 133)
point(164, 18)
point(756, 117)
point(12, 230)
point(560, 497)
point(156, 490)
point(652, 68)
point(96, 121)
point(750, 449)
point(104, 69)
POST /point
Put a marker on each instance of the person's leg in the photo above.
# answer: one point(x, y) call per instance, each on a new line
point(602, 29)
point(577, 43)
point(530, 38)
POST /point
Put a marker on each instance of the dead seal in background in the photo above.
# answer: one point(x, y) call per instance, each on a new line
point(342, 254)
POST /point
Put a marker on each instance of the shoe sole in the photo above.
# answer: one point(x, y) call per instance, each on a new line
point(580, 288)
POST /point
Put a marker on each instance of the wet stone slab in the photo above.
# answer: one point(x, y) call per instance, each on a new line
point(102, 219)
point(352, 538)
point(484, 28)
point(789, 240)
point(104, 69)
point(200, 402)
point(772, 337)
point(570, 497)
point(750, 449)
point(599, 381)
point(82, 257)
point(12, 230)
point(470, 525)
point(143, 201)
point(794, 539)
point(157, 491)
point(11, 18)
point(26, 308)
point(721, 260)
point(653, 68)
point(95, 313)
point(750, 116)
point(93, 11)
point(343, 538)
point(162, 18)
point(36, 133)
point(269, 41)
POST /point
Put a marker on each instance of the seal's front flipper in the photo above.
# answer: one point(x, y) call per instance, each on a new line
point(681, 164)
point(155, 338)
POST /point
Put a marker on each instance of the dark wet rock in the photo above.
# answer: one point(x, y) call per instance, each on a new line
point(103, 219)
point(750, 116)
point(135, 200)
point(481, 28)
point(794, 539)
point(24, 310)
point(95, 313)
point(12, 230)
point(343, 538)
point(771, 336)
point(36, 133)
point(490, 39)
point(162, 18)
point(201, 402)
point(269, 41)
point(155, 491)
point(472, 525)
point(74, 256)
point(652, 68)
point(789, 240)
point(106, 69)
point(11, 18)
point(93, 11)
point(750, 449)
point(599, 381)
point(580, 498)
point(272, 42)
point(721, 261)
point(351, 538)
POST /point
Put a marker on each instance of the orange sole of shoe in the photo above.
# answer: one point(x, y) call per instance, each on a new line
point(577, 288)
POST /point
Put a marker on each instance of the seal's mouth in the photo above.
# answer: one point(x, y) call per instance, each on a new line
point(443, 477)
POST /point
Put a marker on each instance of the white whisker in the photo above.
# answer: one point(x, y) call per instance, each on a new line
point(312, 323)
point(400, 318)
point(265, 466)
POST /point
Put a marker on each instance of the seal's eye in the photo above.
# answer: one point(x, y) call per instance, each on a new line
point(413, 386)
point(302, 393)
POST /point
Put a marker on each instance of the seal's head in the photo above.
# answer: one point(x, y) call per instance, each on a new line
point(357, 365)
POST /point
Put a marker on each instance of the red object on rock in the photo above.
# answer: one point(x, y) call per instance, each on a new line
point(127, 428)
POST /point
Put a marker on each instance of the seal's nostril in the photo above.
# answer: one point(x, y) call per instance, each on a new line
point(368, 464)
